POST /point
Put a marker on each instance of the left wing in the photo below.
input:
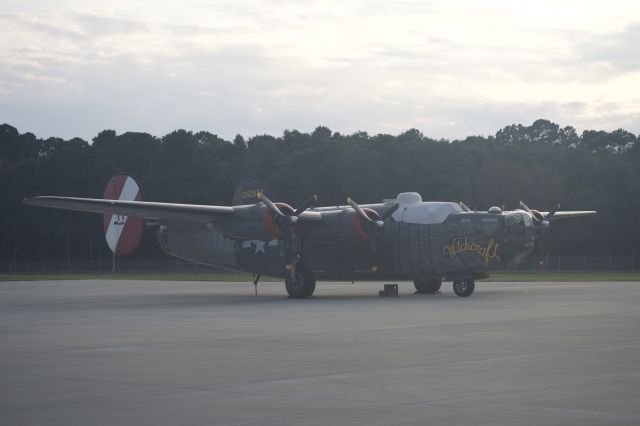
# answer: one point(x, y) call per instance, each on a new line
point(194, 213)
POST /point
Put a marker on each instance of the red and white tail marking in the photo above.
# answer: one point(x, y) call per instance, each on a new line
point(122, 233)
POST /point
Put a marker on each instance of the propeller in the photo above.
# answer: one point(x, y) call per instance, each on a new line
point(552, 211)
point(286, 223)
point(541, 224)
point(465, 207)
point(391, 210)
point(311, 201)
point(372, 227)
point(267, 202)
point(538, 218)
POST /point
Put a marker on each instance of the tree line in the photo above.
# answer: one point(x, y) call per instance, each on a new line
point(539, 164)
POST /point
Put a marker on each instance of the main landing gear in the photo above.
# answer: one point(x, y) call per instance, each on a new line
point(427, 286)
point(300, 282)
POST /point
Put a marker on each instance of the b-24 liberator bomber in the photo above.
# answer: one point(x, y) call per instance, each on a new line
point(403, 239)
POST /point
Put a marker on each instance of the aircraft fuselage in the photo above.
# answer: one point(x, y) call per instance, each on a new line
point(464, 245)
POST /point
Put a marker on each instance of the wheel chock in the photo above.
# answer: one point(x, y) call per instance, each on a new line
point(390, 290)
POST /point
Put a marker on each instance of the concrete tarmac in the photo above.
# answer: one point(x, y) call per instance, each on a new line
point(199, 353)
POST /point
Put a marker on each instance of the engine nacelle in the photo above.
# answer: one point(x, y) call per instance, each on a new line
point(343, 225)
point(251, 222)
point(359, 226)
point(269, 220)
point(257, 222)
point(537, 215)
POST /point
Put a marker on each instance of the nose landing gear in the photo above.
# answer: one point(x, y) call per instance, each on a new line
point(464, 288)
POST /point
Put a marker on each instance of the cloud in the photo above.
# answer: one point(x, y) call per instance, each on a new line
point(105, 26)
point(617, 51)
point(53, 26)
point(230, 67)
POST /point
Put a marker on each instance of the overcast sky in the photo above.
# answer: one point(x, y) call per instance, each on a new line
point(449, 68)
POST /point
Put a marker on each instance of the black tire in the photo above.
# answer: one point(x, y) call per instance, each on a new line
point(311, 288)
point(427, 286)
point(303, 285)
point(464, 288)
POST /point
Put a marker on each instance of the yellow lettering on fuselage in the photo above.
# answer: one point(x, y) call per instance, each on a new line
point(490, 251)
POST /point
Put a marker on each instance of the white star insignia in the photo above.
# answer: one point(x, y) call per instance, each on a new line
point(259, 247)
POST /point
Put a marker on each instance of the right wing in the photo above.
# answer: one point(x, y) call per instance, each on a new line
point(162, 212)
point(569, 214)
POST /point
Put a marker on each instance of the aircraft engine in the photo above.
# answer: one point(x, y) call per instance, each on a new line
point(360, 228)
point(351, 224)
point(275, 225)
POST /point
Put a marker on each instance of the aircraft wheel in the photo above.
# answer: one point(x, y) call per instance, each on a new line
point(464, 288)
point(427, 286)
point(302, 285)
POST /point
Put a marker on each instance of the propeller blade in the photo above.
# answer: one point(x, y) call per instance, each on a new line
point(552, 211)
point(525, 208)
point(391, 210)
point(373, 228)
point(359, 210)
point(311, 201)
point(270, 204)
